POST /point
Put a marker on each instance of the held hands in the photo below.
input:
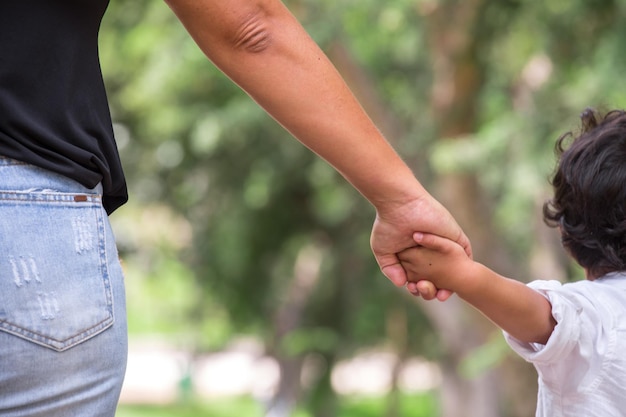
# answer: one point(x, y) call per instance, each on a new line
point(393, 232)
point(435, 262)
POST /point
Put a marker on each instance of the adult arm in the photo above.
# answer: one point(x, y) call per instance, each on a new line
point(514, 307)
point(265, 50)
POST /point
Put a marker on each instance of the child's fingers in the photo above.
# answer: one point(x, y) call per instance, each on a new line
point(432, 242)
point(412, 288)
point(426, 289)
point(443, 295)
point(422, 288)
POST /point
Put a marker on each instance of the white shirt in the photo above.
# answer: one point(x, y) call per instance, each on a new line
point(582, 368)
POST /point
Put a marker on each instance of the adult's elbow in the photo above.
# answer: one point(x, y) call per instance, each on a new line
point(252, 33)
point(233, 26)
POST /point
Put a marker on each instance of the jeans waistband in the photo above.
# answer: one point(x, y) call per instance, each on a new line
point(9, 161)
point(20, 176)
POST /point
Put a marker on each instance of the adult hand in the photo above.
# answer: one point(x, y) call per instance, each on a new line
point(393, 232)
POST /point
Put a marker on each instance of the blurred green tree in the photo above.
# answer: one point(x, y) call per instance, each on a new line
point(245, 231)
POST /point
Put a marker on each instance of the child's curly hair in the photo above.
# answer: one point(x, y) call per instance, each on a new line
point(589, 203)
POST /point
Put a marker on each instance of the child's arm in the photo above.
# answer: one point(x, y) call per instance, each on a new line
point(519, 310)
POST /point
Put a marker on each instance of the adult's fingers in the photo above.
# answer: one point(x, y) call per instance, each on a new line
point(392, 269)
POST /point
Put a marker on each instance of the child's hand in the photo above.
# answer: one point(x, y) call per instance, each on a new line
point(427, 290)
point(438, 260)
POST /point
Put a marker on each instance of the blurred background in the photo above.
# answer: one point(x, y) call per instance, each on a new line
point(251, 287)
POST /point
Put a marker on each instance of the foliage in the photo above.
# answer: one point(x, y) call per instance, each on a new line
point(253, 196)
point(224, 203)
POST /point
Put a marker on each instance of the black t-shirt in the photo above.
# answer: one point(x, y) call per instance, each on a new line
point(53, 106)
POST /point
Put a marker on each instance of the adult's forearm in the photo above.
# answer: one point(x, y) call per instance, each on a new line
point(264, 49)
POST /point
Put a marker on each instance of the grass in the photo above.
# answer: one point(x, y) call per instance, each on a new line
point(240, 407)
point(414, 405)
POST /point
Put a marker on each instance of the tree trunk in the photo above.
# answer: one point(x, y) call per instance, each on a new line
point(457, 82)
point(364, 90)
point(288, 318)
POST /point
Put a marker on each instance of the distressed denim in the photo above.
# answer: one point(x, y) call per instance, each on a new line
point(63, 338)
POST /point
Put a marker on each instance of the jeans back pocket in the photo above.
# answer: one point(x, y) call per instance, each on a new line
point(54, 285)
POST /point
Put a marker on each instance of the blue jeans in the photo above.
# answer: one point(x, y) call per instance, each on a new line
point(63, 338)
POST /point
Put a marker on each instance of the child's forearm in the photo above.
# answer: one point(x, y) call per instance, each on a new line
point(519, 310)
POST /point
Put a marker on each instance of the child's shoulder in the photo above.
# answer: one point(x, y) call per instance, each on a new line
point(608, 291)
point(611, 280)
